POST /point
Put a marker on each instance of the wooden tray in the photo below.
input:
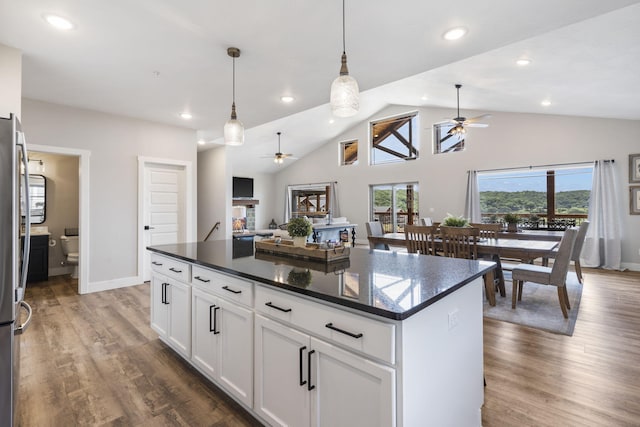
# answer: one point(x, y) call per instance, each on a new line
point(312, 251)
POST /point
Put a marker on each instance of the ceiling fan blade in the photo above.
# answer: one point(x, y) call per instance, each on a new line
point(476, 125)
point(478, 118)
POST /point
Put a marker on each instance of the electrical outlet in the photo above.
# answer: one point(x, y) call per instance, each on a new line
point(453, 319)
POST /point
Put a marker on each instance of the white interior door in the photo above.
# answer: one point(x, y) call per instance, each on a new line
point(164, 208)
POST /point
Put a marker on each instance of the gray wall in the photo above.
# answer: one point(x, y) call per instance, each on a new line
point(114, 143)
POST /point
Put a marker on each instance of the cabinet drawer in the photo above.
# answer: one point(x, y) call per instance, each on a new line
point(171, 267)
point(229, 287)
point(350, 330)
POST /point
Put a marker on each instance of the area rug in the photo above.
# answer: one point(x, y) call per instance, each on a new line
point(539, 307)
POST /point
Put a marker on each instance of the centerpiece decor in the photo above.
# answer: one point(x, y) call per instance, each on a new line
point(512, 221)
point(455, 221)
point(299, 229)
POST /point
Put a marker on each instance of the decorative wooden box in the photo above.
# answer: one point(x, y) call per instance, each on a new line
point(312, 251)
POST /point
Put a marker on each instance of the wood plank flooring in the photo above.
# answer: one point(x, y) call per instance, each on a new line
point(93, 360)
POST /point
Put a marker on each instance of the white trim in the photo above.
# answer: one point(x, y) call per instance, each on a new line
point(189, 222)
point(632, 266)
point(83, 201)
point(107, 285)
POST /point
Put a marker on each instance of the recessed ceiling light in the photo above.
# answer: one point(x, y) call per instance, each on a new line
point(201, 142)
point(286, 98)
point(523, 62)
point(331, 121)
point(545, 103)
point(59, 22)
point(186, 116)
point(424, 97)
point(455, 33)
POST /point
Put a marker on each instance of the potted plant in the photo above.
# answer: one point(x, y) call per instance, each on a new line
point(299, 277)
point(512, 221)
point(455, 221)
point(299, 228)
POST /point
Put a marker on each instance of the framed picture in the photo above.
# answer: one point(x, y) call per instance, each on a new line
point(634, 168)
point(634, 200)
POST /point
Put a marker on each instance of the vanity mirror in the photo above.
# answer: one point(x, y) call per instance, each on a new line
point(37, 198)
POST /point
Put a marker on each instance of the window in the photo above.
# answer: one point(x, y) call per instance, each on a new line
point(554, 198)
point(445, 142)
point(349, 153)
point(394, 140)
point(395, 205)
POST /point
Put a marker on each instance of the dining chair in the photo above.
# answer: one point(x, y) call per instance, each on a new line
point(426, 221)
point(459, 242)
point(420, 239)
point(554, 276)
point(490, 231)
point(374, 229)
point(577, 249)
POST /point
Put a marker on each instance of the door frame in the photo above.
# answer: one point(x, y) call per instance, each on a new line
point(83, 202)
point(187, 167)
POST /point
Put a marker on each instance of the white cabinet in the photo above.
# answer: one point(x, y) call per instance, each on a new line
point(304, 381)
point(171, 312)
point(222, 337)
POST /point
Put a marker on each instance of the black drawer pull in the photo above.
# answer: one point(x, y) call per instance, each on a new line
point(226, 288)
point(156, 263)
point(302, 349)
point(342, 331)
point(269, 304)
point(201, 279)
point(309, 386)
point(175, 271)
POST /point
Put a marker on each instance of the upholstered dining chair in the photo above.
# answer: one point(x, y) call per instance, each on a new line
point(420, 239)
point(374, 229)
point(554, 276)
point(577, 249)
point(426, 221)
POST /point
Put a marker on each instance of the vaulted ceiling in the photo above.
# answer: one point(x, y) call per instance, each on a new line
point(153, 59)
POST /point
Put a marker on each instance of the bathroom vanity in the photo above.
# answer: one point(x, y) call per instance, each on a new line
point(379, 339)
point(38, 270)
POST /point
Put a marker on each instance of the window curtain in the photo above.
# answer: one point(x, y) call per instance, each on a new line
point(287, 204)
point(333, 202)
point(472, 200)
point(602, 245)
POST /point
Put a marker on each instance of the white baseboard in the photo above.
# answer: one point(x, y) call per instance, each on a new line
point(114, 284)
point(633, 266)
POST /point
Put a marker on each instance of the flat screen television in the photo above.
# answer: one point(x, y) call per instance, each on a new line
point(242, 188)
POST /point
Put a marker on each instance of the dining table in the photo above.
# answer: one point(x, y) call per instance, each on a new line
point(524, 251)
point(540, 234)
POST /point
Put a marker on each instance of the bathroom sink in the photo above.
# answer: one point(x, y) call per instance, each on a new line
point(37, 230)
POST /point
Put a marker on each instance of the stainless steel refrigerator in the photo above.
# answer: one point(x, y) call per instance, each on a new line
point(14, 260)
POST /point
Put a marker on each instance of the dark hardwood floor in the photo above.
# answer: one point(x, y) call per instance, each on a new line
point(93, 360)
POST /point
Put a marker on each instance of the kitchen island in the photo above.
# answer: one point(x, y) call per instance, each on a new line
point(381, 338)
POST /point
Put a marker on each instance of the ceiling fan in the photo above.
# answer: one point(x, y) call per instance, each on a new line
point(279, 156)
point(462, 122)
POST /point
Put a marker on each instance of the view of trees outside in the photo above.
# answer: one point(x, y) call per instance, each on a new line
point(526, 192)
point(385, 197)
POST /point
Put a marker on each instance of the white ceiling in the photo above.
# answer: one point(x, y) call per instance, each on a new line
point(585, 53)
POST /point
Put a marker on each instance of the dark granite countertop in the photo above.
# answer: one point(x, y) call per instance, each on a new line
point(388, 284)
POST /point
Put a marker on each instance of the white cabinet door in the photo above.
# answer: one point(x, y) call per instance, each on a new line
point(281, 395)
point(159, 310)
point(204, 339)
point(235, 340)
point(178, 297)
point(349, 390)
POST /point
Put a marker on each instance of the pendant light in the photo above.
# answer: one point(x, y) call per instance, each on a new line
point(345, 95)
point(233, 129)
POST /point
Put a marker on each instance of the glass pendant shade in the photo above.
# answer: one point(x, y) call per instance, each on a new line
point(233, 132)
point(345, 96)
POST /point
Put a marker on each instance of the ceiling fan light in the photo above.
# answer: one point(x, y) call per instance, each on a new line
point(345, 96)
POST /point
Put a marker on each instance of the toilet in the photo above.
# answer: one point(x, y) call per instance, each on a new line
point(70, 249)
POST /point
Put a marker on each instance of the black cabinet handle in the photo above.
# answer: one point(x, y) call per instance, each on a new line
point(215, 319)
point(302, 349)
point(164, 293)
point(212, 316)
point(156, 263)
point(226, 288)
point(175, 270)
point(309, 386)
point(342, 331)
point(270, 304)
point(201, 279)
